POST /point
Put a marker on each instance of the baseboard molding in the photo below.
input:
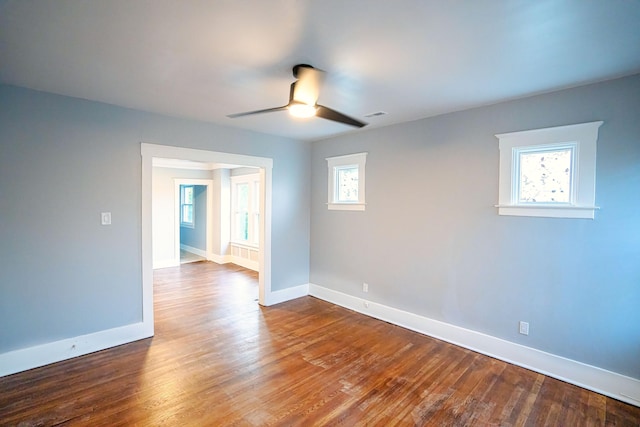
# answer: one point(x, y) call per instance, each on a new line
point(226, 259)
point(287, 294)
point(165, 263)
point(219, 259)
point(33, 357)
point(246, 263)
point(193, 250)
point(609, 383)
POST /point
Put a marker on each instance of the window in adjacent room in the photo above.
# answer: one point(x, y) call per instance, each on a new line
point(549, 172)
point(186, 206)
point(245, 201)
point(346, 183)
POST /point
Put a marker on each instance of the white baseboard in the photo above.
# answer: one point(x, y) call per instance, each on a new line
point(246, 263)
point(609, 383)
point(33, 357)
point(193, 250)
point(282, 295)
point(165, 263)
point(242, 262)
point(219, 259)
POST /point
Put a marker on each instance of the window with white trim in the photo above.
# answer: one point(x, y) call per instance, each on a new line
point(245, 202)
point(187, 212)
point(549, 172)
point(346, 182)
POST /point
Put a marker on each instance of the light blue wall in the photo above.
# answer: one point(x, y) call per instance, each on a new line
point(196, 237)
point(430, 241)
point(65, 160)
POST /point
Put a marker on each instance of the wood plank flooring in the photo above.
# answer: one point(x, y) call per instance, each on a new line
point(219, 359)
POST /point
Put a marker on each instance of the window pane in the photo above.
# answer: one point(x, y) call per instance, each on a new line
point(242, 191)
point(242, 211)
point(245, 225)
point(188, 195)
point(242, 226)
point(347, 184)
point(187, 214)
point(545, 176)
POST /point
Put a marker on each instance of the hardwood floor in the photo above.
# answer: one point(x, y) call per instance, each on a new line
point(220, 359)
point(187, 257)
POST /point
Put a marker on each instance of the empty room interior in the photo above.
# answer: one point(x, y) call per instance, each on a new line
point(304, 212)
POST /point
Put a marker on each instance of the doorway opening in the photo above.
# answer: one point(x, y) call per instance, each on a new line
point(193, 220)
point(262, 165)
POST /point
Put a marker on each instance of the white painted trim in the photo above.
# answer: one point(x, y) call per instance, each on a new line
point(150, 151)
point(359, 160)
point(288, 294)
point(193, 250)
point(187, 164)
point(264, 255)
point(45, 354)
point(242, 261)
point(246, 263)
point(579, 212)
point(249, 179)
point(238, 260)
point(208, 183)
point(244, 246)
point(147, 247)
point(219, 259)
point(583, 137)
point(346, 206)
point(165, 263)
point(32, 357)
point(609, 383)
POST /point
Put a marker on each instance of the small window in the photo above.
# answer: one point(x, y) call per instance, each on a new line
point(346, 182)
point(545, 174)
point(186, 206)
point(549, 172)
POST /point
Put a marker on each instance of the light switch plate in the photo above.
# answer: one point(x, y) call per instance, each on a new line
point(105, 218)
point(524, 328)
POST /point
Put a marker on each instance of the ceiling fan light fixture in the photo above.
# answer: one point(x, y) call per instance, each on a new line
point(303, 99)
point(302, 110)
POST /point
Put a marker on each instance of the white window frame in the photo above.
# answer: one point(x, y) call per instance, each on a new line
point(334, 164)
point(183, 223)
point(581, 138)
point(253, 181)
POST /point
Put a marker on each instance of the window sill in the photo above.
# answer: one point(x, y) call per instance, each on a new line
point(245, 245)
point(346, 206)
point(547, 211)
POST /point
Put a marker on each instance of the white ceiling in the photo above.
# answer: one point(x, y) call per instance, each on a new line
point(409, 58)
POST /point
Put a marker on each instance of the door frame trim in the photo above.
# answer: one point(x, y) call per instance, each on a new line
point(208, 183)
point(265, 164)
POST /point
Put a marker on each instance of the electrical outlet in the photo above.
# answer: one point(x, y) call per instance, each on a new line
point(524, 328)
point(365, 287)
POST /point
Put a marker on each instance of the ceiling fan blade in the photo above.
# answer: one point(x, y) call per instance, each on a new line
point(329, 114)
point(249, 113)
point(307, 87)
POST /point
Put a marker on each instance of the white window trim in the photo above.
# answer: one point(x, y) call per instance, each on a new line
point(359, 160)
point(583, 137)
point(191, 224)
point(250, 179)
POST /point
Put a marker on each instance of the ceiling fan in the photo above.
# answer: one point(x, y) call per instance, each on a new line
point(303, 98)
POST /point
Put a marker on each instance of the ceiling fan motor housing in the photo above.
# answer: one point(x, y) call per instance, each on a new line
point(296, 68)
